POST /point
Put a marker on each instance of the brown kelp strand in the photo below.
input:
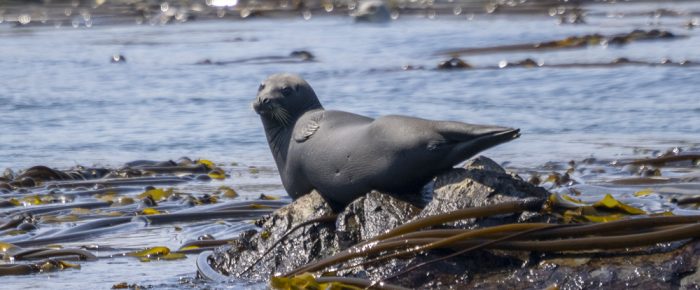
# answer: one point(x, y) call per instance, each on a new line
point(418, 241)
point(78, 235)
point(297, 56)
point(675, 233)
point(323, 219)
point(111, 225)
point(309, 281)
point(613, 226)
point(257, 204)
point(74, 192)
point(475, 212)
point(79, 253)
point(686, 200)
point(138, 181)
point(453, 236)
point(49, 265)
point(201, 168)
point(359, 282)
point(570, 42)
point(662, 160)
point(17, 269)
point(61, 207)
point(197, 216)
point(202, 245)
point(643, 180)
point(448, 241)
point(455, 64)
point(666, 234)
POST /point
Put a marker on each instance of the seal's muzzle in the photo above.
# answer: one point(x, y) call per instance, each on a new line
point(262, 106)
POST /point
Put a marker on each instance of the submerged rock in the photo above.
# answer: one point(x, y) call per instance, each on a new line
point(453, 63)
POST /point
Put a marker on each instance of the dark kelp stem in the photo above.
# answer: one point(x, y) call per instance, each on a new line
point(460, 235)
point(13, 269)
point(674, 233)
point(81, 254)
point(609, 242)
point(461, 238)
point(474, 212)
point(611, 227)
point(358, 282)
point(474, 248)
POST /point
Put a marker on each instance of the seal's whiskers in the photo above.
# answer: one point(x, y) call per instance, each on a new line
point(280, 115)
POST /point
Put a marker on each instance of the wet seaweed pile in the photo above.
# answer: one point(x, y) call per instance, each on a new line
point(52, 219)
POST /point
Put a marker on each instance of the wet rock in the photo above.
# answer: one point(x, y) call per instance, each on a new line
point(528, 62)
point(43, 173)
point(453, 63)
point(371, 215)
point(299, 248)
point(23, 182)
point(364, 218)
point(481, 182)
point(117, 58)
point(302, 55)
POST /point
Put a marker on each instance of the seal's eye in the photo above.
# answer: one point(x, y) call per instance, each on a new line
point(261, 87)
point(287, 91)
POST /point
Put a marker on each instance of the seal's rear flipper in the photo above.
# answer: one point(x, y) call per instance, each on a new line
point(470, 144)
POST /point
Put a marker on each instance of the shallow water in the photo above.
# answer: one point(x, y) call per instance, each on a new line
point(63, 103)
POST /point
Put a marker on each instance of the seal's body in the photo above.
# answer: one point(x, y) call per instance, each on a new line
point(344, 155)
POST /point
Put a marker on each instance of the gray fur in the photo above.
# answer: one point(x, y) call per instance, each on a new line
point(344, 155)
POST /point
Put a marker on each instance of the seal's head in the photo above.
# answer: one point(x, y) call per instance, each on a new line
point(284, 97)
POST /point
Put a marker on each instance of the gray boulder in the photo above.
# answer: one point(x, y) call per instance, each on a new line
point(481, 182)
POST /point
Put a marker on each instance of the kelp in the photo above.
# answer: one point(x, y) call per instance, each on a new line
point(297, 56)
point(568, 43)
point(156, 253)
point(615, 230)
point(308, 281)
point(43, 267)
point(663, 160)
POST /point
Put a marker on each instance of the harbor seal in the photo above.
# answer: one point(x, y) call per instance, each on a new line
point(344, 156)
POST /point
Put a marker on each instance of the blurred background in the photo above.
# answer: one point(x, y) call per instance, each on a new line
point(103, 82)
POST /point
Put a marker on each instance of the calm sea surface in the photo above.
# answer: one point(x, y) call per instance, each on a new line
point(63, 103)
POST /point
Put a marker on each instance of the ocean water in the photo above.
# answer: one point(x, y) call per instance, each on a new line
point(63, 103)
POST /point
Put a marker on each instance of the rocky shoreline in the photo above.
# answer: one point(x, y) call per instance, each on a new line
point(481, 182)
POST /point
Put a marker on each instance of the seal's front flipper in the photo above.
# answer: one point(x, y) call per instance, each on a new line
point(309, 126)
